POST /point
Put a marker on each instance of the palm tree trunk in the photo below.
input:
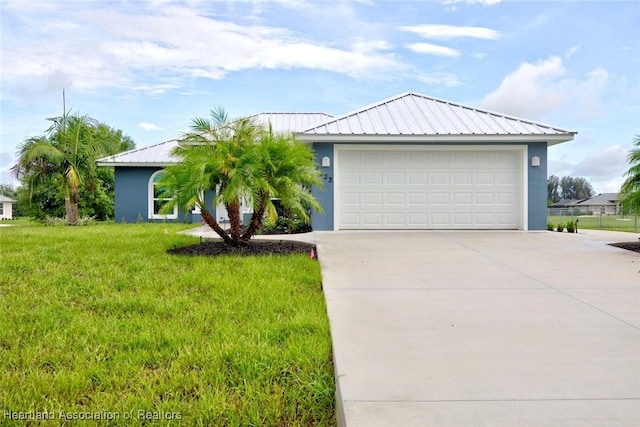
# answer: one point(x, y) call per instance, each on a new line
point(233, 210)
point(68, 211)
point(255, 224)
point(211, 222)
point(74, 205)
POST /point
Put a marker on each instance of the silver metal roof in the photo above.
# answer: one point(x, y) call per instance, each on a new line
point(292, 122)
point(409, 116)
point(160, 154)
point(412, 114)
point(152, 155)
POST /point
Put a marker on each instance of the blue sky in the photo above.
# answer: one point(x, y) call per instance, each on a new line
point(149, 67)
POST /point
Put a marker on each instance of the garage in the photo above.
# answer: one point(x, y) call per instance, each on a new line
point(429, 187)
point(414, 162)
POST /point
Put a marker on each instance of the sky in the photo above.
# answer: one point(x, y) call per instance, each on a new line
point(148, 67)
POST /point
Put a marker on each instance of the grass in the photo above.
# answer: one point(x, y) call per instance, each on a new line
point(100, 320)
point(610, 222)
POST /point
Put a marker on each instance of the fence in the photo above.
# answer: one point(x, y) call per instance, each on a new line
point(602, 219)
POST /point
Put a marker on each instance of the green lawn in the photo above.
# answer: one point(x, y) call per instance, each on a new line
point(611, 222)
point(99, 321)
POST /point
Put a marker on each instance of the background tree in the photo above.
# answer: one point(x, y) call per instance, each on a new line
point(630, 191)
point(58, 169)
point(553, 185)
point(575, 188)
point(239, 159)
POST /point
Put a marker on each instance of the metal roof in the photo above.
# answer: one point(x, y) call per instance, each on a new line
point(415, 115)
point(410, 116)
point(153, 155)
point(291, 122)
point(4, 198)
point(160, 154)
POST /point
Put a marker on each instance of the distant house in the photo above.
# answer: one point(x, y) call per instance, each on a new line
point(604, 204)
point(565, 207)
point(6, 207)
point(407, 162)
point(565, 203)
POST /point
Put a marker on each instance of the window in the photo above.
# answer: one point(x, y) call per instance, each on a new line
point(196, 209)
point(155, 202)
point(1, 209)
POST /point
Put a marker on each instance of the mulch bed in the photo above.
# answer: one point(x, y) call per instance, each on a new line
point(631, 246)
point(251, 248)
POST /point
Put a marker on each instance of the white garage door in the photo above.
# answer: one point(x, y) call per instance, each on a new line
point(417, 188)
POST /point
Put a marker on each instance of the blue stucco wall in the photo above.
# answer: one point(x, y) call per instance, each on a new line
point(324, 221)
point(132, 196)
point(131, 189)
point(537, 186)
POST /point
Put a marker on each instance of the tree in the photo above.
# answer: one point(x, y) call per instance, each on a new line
point(64, 158)
point(630, 191)
point(553, 183)
point(575, 188)
point(239, 159)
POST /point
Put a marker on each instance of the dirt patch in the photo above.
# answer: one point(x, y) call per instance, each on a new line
point(251, 248)
point(631, 246)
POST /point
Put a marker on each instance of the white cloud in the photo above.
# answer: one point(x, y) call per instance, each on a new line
point(366, 46)
point(612, 161)
point(433, 31)
point(604, 169)
point(157, 48)
point(572, 51)
point(534, 90)
point(530, 90)
point(481, 2)
point(149, 126)
point(479, 55)
point(6, 159)
point(432, 49)
point(443, 79)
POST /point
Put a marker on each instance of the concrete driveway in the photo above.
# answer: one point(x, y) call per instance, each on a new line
point(483, 328)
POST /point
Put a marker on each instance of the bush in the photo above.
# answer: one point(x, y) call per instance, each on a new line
point(285, 225)
point(550, 226)
point(570, 226)
point(54, 221)
point(560, 228)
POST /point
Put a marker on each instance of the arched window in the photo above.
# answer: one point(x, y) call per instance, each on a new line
point(155, 202)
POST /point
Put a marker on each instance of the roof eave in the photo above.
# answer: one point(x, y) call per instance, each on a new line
point(549, 139)
point(135, 164)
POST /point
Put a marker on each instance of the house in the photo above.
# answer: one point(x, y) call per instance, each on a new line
point(602, 204)
point(6, 207)
point(565, 207)
point(407, 162)
point(137, 172)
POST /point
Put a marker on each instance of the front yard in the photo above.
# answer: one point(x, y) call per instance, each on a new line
point(99, 322)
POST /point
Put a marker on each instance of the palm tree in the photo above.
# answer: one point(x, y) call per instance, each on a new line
point(239, 159)
point(630, 191)
point(66, 154)
point(287, 173)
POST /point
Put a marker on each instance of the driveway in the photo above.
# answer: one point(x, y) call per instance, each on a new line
point(483, 328)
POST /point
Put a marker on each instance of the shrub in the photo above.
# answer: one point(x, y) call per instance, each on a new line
point(550, 226)
point(560, 228)
point(54, 221)
point(285, 225)
point(570, 226)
